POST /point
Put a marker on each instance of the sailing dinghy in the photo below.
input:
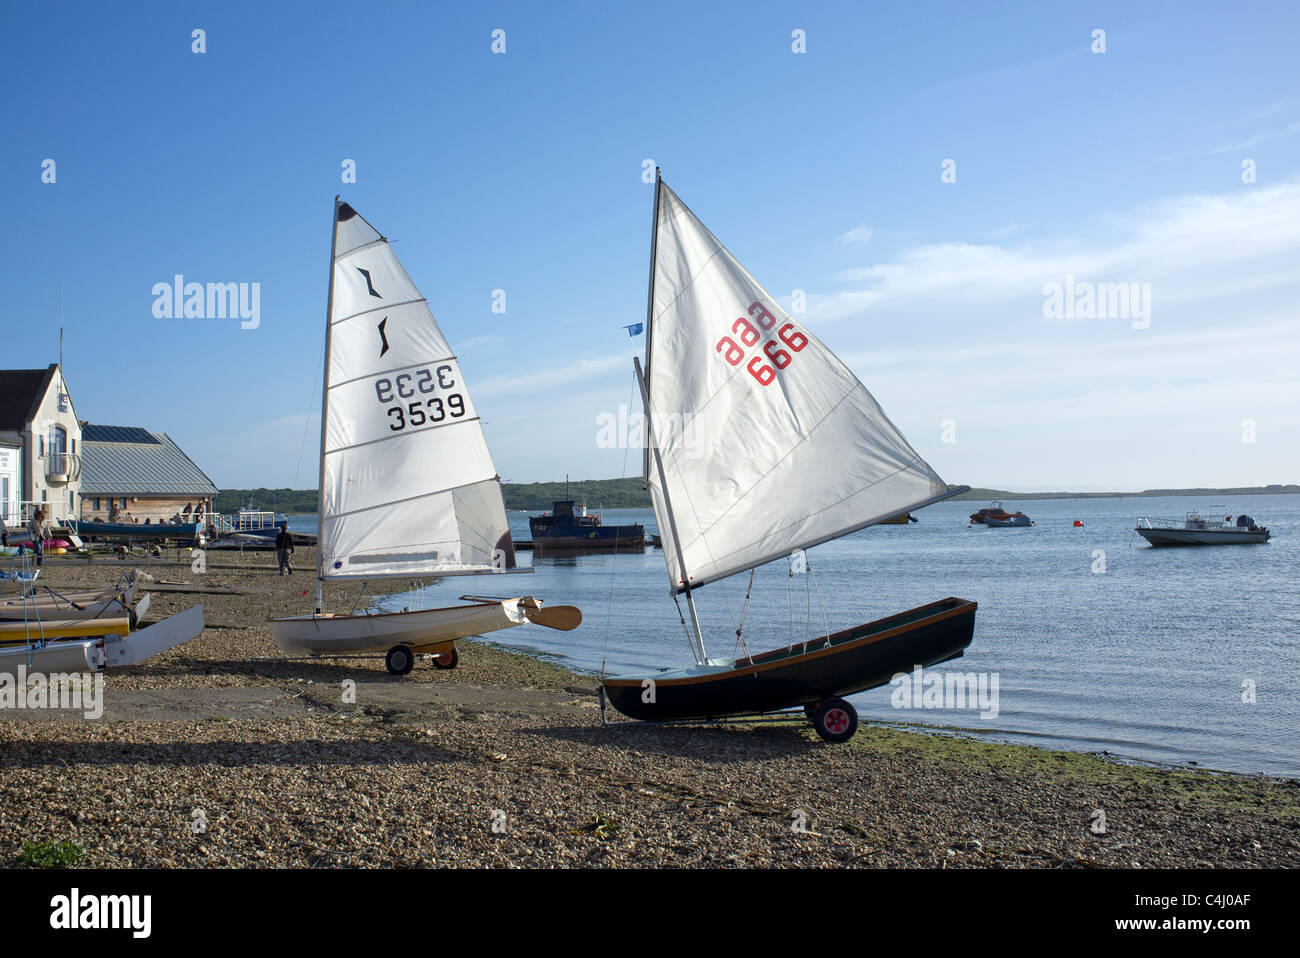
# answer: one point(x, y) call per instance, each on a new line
point(760, 443)
point(53, 603)
point(408, 488)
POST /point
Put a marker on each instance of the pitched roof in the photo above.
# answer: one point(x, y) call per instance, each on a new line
point(148, 463)
point(21, 391)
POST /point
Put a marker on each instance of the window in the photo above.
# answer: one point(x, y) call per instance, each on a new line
point(95, 507)
point(124, 502)
point(59, 449)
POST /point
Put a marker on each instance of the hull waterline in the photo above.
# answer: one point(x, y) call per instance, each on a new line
point(1201, 537)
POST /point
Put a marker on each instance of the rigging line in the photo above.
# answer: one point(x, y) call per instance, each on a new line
point(690, 640)
point(825, 622)
point(297, 472)
point(744, 612)
point(790, 594)
point(609, 606)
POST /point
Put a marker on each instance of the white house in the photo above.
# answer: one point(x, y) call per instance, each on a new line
point(40, 440)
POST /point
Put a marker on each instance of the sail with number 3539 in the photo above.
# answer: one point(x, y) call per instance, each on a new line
point(407, 485)
point(761, 443)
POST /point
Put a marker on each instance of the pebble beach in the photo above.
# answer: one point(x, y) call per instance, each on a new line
point(225, 753)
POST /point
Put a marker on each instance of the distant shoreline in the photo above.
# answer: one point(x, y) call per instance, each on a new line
point(1270, 490)
point(630, 494)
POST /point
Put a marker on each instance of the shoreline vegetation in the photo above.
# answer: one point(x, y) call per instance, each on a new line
point(503, 761)
point(631, 494)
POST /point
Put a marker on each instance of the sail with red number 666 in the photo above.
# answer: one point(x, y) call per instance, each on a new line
point(760, 443)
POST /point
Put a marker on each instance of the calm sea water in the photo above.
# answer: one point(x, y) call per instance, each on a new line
point(1147, 659)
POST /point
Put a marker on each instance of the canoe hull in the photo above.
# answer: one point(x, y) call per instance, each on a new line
point(864, 657)
point(423, 630)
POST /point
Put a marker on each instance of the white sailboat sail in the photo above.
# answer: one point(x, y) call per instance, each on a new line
point(407, 484)
point(768, 442)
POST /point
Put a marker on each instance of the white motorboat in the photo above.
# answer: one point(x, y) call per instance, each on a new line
point(1200, 530)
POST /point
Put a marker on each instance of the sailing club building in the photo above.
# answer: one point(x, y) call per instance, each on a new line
point(75, 470)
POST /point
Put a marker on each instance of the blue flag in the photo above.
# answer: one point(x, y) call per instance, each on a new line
point(635, 329)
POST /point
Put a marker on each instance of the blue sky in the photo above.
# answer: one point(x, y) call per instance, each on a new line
point(821, 172)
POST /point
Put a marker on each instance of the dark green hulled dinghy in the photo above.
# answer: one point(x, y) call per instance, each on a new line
point(761, 443)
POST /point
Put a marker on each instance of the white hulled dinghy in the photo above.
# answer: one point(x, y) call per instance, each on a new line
point(50, 603)
point(408, 488)
point(90, 645)
point(761, 442)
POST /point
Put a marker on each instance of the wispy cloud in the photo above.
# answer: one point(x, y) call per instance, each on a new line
point(858, 236)
point(1235, 147)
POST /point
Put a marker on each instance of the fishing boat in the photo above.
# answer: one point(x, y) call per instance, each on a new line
point(1199, 530)
point(407, 485)
point(569, 527)
point(995, 511)
point(761, 443)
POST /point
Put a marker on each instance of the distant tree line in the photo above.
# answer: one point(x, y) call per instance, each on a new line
point(288, 501)
point(596, 493)
point(632, 494)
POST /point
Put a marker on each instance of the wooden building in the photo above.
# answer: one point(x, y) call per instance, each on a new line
point(137, 474)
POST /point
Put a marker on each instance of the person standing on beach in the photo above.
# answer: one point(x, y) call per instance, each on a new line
point(36, 529)
point(284, 549)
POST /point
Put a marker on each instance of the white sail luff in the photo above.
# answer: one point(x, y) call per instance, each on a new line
point(324, 410)
point(769, 442)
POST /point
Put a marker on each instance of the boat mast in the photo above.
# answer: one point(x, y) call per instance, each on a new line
point(650, 310)
point(701, 657)
point(324, 414)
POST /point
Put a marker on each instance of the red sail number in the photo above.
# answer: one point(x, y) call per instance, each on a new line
point(789, 337)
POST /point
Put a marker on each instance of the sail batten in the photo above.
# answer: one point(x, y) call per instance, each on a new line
point(408, 486)
point(769, 442)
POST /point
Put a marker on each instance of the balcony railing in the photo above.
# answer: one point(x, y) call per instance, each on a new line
point(62, 467)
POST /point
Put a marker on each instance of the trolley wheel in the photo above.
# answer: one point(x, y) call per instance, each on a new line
point(835, 720)
point(399, 660)
point(448, 660)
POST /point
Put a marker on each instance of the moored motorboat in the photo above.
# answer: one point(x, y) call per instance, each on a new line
point(1199, 530)
point(1018, 520)
point(570, 527)
point(902, 519)
point(995, 511)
